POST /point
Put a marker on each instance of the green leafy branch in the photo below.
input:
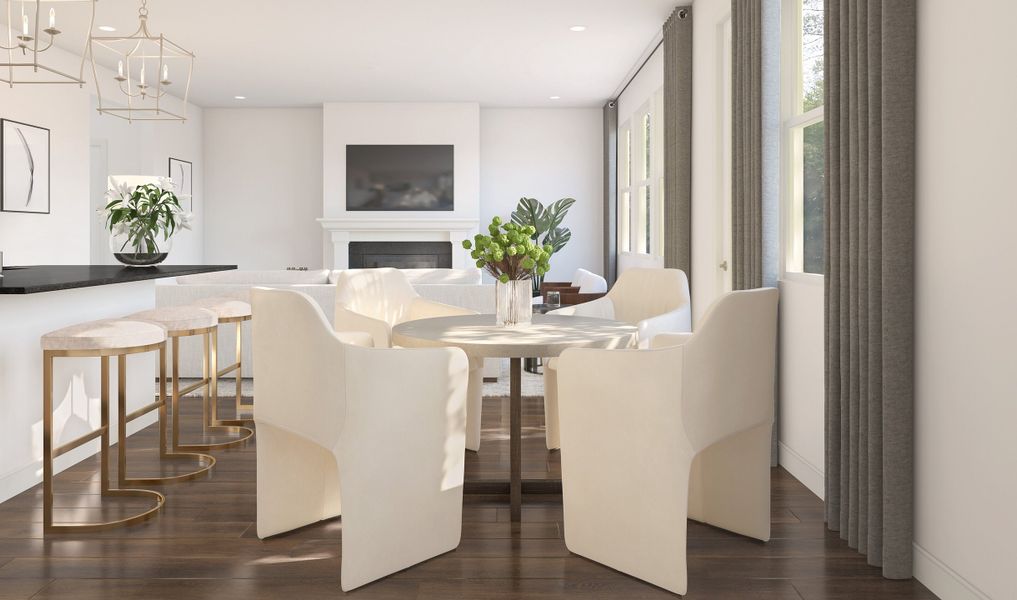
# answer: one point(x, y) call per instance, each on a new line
point(510, 252)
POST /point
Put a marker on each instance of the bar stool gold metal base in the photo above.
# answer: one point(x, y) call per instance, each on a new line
point(209, 379)
point(206, 461)
point(50, 453)
point(238, 378)
point(160, 500)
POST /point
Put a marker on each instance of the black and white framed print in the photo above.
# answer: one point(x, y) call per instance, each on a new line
point(180, 173)
point(24, 167)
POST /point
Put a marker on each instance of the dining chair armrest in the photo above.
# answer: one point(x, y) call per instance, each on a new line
point(422, 308)
point(356, 338)
point(347, 320)
point(678, 320)
point(601, 308)
point(669, 340)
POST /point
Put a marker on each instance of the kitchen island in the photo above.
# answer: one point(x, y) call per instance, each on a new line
point(37, 299)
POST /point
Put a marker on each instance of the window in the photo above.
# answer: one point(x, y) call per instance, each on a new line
point(641, 181)
point(624, 187)
point(802, 135)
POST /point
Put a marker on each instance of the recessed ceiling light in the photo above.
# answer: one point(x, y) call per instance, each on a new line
point(577, 28)
point(555, 97)
point(107, 28)
point(240, 97)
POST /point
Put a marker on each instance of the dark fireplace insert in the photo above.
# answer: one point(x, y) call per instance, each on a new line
point(401, 255)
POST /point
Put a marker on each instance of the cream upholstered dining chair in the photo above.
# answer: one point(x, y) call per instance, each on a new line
point(589, 282)
point(338, 433)
point(682, 430)
point(654, 300)
point(376, 300)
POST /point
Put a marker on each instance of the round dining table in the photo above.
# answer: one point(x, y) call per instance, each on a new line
point(546, 336)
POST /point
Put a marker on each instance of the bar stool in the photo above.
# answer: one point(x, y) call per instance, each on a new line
point(104, 339)
point(229, 310)
point(181, 322)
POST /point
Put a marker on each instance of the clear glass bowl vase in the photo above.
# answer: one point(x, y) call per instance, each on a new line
point(514, 304)
point(132, 252)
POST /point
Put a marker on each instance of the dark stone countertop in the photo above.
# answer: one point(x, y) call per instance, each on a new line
point(51, 278)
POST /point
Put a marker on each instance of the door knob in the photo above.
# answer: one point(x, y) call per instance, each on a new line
point(723, 266)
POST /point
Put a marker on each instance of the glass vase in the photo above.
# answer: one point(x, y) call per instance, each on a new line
point(514, 303)
point(130, 251)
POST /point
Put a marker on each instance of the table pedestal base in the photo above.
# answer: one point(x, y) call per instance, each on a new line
point(516, 440)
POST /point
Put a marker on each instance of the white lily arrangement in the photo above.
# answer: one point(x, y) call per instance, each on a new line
point(143, 212)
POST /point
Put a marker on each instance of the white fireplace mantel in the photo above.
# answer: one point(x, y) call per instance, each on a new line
point(342, 231)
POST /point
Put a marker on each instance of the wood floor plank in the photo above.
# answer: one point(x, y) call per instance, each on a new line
point(204, 543)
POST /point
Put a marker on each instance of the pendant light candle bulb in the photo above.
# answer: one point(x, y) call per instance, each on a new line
point(120, 68)
point(52, 18)
point(143, 74)
point(165, 73)
point(24, 24)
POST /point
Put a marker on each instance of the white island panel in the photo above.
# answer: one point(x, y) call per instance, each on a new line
point(23, 321)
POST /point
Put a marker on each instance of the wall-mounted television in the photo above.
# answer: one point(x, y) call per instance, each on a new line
point(399, 177)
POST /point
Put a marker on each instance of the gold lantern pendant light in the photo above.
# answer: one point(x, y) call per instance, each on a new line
point(25, 43)
point(135, 93)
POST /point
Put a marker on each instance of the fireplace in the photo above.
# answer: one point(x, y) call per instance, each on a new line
point(401, 255)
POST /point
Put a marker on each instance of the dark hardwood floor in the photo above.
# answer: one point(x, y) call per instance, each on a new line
point(203, 544)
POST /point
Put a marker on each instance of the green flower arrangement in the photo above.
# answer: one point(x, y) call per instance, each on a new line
point(509, 252)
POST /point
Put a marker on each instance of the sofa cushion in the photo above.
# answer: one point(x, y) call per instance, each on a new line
point(319, 276)
point(433, 276)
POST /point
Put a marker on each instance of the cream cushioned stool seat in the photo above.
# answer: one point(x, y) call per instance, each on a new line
point(225, 308)
point(178, 318)
point(103, 335)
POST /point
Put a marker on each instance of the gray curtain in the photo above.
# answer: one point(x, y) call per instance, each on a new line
point(870, 208)
point(611, 191)
point(755, 152)
point(746, 144)
point(678, 140)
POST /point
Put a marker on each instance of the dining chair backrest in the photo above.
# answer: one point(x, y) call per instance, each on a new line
point(644, 293)
point(301, 382)
point(729, 366)
point(383, 294)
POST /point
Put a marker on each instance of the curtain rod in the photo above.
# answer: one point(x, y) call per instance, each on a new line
point(640, 69)
point(682, 13)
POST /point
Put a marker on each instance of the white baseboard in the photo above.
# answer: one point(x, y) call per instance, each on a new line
point(802, 470)
point(25, 478)
point(942, 580)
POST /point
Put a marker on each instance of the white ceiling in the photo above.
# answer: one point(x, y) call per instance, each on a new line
point(306, 52)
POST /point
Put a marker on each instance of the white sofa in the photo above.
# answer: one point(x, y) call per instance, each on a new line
point(458, 287)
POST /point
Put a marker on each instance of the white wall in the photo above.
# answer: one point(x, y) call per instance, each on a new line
point(966, 294)
point(63, 236)
point(456, 123)
point(264, 187)
point(547, 154)
point(802, 382)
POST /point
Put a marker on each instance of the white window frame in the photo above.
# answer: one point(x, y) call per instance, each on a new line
point(631, 162)
point(793, 122)
point(625, 187)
